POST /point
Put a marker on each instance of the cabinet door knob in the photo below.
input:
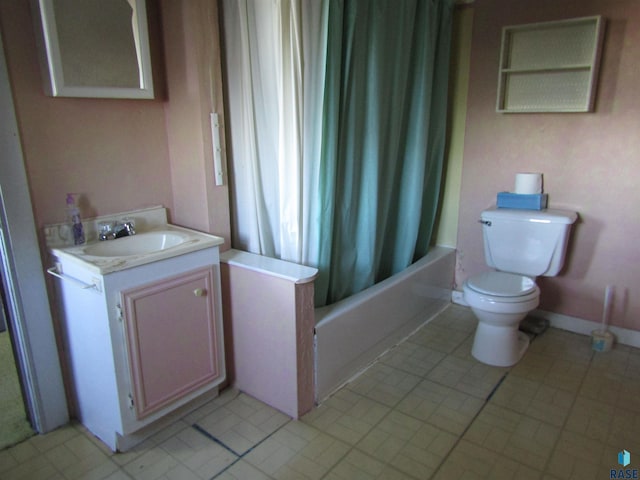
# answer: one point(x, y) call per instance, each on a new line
point(200, 292)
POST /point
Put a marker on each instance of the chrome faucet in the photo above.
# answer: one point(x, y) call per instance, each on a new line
point(111, 230)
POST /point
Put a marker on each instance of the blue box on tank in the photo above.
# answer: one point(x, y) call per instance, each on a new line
point(536, 201)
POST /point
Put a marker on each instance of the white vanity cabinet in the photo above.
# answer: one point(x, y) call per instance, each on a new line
point(141, 342)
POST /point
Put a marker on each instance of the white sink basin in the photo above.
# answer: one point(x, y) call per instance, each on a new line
point(140, 244)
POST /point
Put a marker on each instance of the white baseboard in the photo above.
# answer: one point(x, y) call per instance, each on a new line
point(585, 327)
point(457, 297)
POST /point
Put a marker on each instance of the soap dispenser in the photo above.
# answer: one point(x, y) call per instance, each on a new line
point(73, 216)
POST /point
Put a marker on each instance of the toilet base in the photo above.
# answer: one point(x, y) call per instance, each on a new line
point(498, 345)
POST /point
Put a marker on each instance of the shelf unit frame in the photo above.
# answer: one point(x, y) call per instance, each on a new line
point(550, 66)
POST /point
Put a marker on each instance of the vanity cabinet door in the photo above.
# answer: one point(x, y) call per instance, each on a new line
point(171, 338)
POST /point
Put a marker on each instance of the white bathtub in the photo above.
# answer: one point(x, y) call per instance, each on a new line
point(352, 333)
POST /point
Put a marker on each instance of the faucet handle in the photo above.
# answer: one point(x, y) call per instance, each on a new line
point(105, 230)
point(129, 225)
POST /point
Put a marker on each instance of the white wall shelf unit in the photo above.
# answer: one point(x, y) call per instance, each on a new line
point(550, 66)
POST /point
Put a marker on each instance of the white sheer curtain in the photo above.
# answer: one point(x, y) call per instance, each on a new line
point(272, 209)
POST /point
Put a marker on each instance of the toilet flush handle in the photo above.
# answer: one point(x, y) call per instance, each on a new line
point(485, 222)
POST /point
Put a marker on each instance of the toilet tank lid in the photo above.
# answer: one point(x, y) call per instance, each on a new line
point(548, 215)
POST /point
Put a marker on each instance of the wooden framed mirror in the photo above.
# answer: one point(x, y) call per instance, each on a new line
point(94, 48)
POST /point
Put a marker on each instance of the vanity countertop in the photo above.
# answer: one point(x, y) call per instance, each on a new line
point(191, 241)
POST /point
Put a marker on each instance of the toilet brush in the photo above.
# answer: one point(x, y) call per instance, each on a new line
point(602, 340)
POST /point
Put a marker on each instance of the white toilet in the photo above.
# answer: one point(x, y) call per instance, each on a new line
point(521, 245)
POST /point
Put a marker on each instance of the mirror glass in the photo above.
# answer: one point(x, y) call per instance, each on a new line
point(95, 48)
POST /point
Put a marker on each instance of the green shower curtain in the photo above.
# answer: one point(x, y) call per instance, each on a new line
point(337, 116)
point(383, 139)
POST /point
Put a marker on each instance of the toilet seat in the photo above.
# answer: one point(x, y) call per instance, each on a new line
point(503, 287)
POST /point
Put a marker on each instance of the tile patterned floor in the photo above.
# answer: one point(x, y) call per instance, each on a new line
point(425, 410)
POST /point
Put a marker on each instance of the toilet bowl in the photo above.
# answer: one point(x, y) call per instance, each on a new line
point(500, 301)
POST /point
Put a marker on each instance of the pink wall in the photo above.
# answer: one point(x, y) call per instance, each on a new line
point(194, 78)
point(590, 161)
point(113, 152)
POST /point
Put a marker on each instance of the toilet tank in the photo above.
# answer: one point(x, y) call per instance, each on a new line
point(527, 242)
